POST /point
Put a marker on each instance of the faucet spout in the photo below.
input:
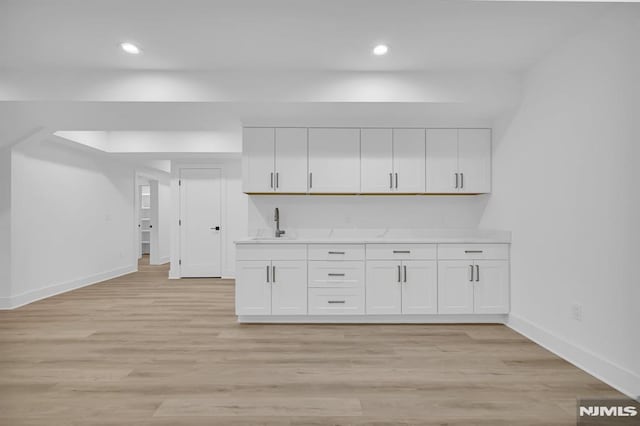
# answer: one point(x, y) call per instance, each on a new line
point(276, 218)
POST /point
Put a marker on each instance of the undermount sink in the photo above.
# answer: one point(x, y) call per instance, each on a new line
point(270, 238)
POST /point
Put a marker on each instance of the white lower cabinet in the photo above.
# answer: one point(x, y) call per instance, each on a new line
point(336, 287)
point(276, 287)
point(373, 279)
point(473, 287)
point(253, 287)
point(402, 287)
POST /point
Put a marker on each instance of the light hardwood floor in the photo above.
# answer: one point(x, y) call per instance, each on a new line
point(144, 350)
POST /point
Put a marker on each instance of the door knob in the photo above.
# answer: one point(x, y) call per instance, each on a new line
point(217, 228)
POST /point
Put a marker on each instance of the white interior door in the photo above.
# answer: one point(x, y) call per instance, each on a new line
point(419, 287)
point(376, 166)
point(253, 287)
point(409, 160)
point(289, 287)
point(258, 165)
point(384, 287)
point(491, 287)
point(455, 288)
point(474, 160)
point(291, 160)
point(442, 160)
point(200, 215)
point(334, 160)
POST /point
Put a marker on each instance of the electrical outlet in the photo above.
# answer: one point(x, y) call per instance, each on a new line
point(576, 311)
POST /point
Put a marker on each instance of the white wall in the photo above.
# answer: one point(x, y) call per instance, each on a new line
point(5, 227)
point(164, 221)
point(73, 215)
point(234, 214)
point(566, 185)
point(301, 214)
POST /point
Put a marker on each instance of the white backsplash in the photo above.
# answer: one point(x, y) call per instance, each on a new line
point(347, 216)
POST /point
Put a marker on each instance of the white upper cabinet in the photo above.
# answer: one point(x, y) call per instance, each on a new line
point(334, 160)
point(458, 161)
point(474, 160)
point(376, 166)
point(291, 160)
point(368, 161)
point(274, 160)
point(393, 161)
point(258, 165)
point(409, 160)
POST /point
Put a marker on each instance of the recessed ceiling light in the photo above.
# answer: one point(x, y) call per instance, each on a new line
point(380, 50)
point(130, 48)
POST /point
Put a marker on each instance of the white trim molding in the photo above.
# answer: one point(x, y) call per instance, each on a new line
point(19, 300)
point(376, 319)
point(614, 375)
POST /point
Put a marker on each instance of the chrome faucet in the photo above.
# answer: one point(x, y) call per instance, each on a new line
point(276, 217)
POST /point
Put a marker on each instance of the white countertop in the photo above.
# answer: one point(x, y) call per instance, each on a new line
point(407, 237)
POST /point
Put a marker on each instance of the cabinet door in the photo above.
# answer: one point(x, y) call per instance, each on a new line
point(383, 287)
point(253, 287)
point(291, 160)
point(289, 287)
point(409, 160)
point(442, 160)
point(258, 145)
point(455, 289)
point(419, 287)
point(376, 166)
point(474, 160)
point(334, 160)
point(491, 282)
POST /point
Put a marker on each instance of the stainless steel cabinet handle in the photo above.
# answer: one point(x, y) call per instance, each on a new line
point(267, 273)
point(310, 180)
point(456, 181)
point(473, 251)
point(399, 277)
point(335, 275)
point(405, 273)
point(273, 274)
point(396, 180)
point(461, 180)
point(336, 252)
point(471, 267)
point(402, 251)
point(277, 180)
point(390, 180)
point(272, 179)
point(336, 301)
point(477, 273)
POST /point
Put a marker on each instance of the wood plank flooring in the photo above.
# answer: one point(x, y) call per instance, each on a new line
point(144, 350)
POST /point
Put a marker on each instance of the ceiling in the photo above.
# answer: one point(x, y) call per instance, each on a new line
point(285, 34)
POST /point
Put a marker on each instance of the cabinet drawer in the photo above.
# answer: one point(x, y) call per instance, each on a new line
point(473, 251)
point(334, 301)
point(401, 251)
point(345, 274)
point(271, 252)
point(336, 252)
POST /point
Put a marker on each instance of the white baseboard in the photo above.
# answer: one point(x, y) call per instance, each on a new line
point(42, 293)
point(615, 376)
point(375, 319)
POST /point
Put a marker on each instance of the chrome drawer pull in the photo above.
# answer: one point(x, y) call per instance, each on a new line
point(336, 252)
point(402, 251)
point(473, 251)
point(336, 275)
point(336, 301)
